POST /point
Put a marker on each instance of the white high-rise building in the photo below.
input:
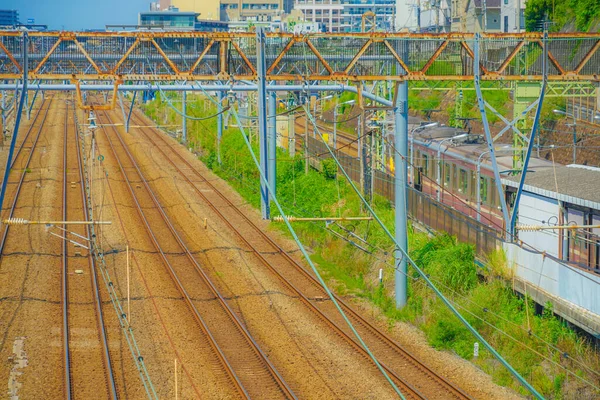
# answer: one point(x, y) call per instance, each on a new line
point(512, 15)
point(346, 15)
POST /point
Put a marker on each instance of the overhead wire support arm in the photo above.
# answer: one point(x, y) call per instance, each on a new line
point(486, 128)
point(534, 128)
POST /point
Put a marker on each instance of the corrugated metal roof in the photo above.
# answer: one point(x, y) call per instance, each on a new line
point(573, 184)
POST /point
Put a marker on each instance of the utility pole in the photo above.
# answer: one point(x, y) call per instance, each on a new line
point(484, 15)
point(419, 16)
point(518, 16)
point(219, 125)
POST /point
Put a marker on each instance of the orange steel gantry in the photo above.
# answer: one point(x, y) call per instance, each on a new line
point(375, 56)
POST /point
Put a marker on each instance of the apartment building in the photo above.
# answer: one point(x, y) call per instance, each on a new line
point(488, 15)
point(513, 15)
point(9, 17)
point(346, 15)
point(254, 10)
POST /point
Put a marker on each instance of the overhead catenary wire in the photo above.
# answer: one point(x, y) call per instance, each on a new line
point(503, 230)
point(309, 260)
point(487, 311)
point(518, 376)
point(440, 283)
point(541, 339)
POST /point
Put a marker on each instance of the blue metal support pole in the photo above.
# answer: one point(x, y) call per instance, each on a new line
point(272, 135)
point(130, 112)
point(219, 126)
point(401, 178)
point(13, 141)
point(31, 105)
point(3, 94)
point(122, 104)
point(534, 128)
point(261, 72)
point(184, 121)
point(488, 134)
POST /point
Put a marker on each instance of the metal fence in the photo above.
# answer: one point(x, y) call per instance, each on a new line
point(421, 207)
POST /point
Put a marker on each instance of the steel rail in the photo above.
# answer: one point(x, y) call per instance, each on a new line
point(12, 164)
point(178, 283)
point(22, 179)
point(64, 275)
point(393, 345)
point(256, 351)
point(106, 360)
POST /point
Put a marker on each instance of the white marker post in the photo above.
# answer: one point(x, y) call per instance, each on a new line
point(128, 289)
point(176, 391)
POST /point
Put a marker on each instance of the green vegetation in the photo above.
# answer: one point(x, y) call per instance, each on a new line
point(529, 341)
point(583, 12)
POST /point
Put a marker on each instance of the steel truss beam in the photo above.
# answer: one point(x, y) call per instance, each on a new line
point(199, 56)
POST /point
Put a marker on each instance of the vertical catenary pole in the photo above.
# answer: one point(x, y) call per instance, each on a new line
point(306, 163)
point(262, 119)
point(184, 118)
point(361, 145)
point(574, 141)
point(335, 127)
point(272, 137)
point(219, 125)
point(3, 95)
point(19, 110)
point(400, 178)
point(478, 182)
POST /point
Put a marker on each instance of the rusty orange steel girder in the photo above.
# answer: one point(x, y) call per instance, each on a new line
point(199, 56)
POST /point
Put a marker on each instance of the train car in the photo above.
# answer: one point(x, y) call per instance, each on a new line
point(454, 167)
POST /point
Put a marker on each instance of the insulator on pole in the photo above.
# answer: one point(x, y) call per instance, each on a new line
point(16, 221)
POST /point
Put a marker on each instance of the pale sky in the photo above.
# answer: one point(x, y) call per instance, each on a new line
point(78, 14)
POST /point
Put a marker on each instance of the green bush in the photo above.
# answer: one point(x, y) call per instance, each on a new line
point(329, 168)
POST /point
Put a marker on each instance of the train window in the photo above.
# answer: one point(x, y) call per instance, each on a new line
point(454, 176)
point(483, 189)
point(463, 183)
point(473, 184)
point(447, 174)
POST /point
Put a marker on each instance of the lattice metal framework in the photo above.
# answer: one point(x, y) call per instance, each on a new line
point(196, 56)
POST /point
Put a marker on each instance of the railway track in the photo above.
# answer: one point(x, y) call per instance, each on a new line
point(345, 143)
point(409, 373)
point(37, 126)
point(247, 367)
point(87, 362)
